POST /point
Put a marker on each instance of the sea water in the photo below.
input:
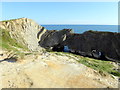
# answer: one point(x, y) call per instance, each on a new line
point(83, 28)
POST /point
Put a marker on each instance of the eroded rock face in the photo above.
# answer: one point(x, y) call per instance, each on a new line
point(53, 37)
point(24, 30)
point(106, 45)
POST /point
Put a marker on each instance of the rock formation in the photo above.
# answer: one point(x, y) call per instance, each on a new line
point(104, 44)
point(24, 30)
point(53, 37)
point(100, 45)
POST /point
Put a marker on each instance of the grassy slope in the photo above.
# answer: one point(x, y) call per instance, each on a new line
point(10, 44)
point(99, 65)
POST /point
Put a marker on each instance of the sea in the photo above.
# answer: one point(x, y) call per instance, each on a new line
point(83, 28)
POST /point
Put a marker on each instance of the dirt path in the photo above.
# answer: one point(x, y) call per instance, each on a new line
point(51, 71)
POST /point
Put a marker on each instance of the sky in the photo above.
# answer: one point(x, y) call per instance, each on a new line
point(99, 13)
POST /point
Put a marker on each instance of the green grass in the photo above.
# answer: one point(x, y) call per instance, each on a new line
point(99, 65)
point(10, 44)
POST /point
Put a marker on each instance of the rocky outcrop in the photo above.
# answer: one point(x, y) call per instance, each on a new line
point(53, 37)
point(24, 31)
point(104, 43)
point(100, 45)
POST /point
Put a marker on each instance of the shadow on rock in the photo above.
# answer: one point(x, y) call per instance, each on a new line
point(11, 59)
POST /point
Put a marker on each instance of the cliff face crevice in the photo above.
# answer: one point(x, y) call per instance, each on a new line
point(24, 31)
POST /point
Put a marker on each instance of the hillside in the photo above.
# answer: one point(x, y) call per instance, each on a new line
point(24, 64)
point(23, 31)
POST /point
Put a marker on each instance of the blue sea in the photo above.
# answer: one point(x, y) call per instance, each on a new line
point(83, 28)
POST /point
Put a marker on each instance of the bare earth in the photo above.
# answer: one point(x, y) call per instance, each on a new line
point(48, 70)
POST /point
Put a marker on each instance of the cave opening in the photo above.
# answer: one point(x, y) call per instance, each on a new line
point(61, 48)
point(93, 54)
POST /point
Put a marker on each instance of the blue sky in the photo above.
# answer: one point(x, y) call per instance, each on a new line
point(103, 13)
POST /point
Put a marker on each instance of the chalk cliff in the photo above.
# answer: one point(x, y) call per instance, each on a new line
point(24, 31)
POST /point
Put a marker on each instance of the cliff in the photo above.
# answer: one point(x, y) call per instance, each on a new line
point(107, 43)
point(104, 43)
point(23, 30)
point(53, 37)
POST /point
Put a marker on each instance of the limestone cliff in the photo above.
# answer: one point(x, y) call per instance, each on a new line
point(24, 31)
point(105, 44)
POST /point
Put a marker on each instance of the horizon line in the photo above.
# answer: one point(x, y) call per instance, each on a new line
point(78, 24)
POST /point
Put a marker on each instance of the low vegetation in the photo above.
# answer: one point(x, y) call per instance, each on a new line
point(99, 65)
point(10, 44)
